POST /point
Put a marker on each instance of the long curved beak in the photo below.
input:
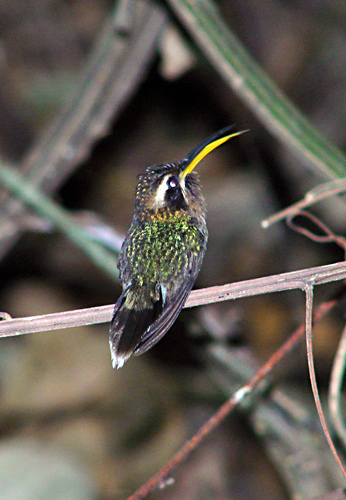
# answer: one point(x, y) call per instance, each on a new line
point(212, 142)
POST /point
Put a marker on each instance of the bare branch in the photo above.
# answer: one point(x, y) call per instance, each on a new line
point(327, 236)
point(335, 387)
point(312, 373)
point(316, 194)
point(269, 284)
point(102, 314)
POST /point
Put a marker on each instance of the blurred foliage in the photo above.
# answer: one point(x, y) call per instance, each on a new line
point(60, 400)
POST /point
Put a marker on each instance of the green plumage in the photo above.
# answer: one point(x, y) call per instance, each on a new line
point(162, 253)
point(159, 260)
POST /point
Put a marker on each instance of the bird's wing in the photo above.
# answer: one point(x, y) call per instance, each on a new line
point(170, 309)
point(162, 324)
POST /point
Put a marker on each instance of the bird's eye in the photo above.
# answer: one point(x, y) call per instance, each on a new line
point(172, 182)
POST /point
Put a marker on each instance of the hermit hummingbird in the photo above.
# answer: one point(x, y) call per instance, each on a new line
point(162, 253)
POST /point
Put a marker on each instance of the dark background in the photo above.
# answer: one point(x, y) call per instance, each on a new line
point(68, 422)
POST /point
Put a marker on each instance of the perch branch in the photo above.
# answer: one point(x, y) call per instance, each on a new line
point(249, 288)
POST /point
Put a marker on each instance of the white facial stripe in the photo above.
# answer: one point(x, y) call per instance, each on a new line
point(182, 185)
point(159, 199)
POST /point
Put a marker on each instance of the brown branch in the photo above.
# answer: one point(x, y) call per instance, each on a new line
point(327, 236)
point(249, 288)
point(315, 195)
point(335, 389)
point(312, 374)
point(160, 479)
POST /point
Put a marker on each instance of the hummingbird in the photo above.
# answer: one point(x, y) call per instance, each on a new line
point(162, 253)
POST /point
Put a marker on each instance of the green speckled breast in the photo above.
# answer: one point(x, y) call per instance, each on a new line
point(163, 249)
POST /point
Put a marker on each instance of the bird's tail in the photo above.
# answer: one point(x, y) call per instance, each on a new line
point(132, 316)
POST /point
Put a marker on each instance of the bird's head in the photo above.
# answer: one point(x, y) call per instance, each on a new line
point(174, 186)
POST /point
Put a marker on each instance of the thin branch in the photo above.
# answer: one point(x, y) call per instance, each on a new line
point(160, 479)
point(241, 289)
point(335, 386)
point(328, 237)
point(326, 234)
point(312, 374)
point(313, 196)
point(269, 284)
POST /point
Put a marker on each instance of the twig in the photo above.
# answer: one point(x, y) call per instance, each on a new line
point(269, 284)
point(161, 477)
point(315, 195)
point(328, 237)
point(312, 373)
point(249, 288)
point(335, 386)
